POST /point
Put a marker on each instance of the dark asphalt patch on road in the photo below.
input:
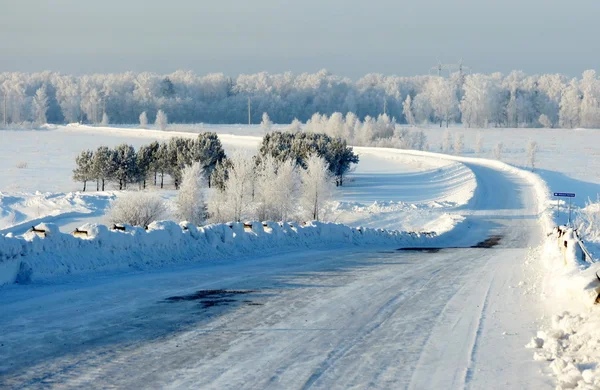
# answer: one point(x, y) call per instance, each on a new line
point(488, 243)
point(419, 249)
point(213, 298)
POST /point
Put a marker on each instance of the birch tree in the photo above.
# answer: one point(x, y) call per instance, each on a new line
point(190, 198)
point(317, 187)
point(40, 105)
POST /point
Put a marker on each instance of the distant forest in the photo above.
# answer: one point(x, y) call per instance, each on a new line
point(476, 100)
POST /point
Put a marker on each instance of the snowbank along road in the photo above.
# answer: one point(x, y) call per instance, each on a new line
point(434, 318)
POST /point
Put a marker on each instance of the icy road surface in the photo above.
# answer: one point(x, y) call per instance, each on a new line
point(336, 319)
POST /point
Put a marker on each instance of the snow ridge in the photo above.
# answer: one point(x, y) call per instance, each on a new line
point(29, 258)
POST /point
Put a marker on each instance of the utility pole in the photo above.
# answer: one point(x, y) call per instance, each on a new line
point(384, 106)
point(249, 113)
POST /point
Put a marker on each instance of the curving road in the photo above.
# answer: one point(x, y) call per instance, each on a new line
point(341, 318)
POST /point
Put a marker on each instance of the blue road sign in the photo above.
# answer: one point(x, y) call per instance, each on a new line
point(564, 194)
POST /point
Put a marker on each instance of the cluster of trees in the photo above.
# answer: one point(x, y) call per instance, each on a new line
point(268, 191)
point(477, 100)
point(382, 131)
point(124, 165)
point(292, 177)
point(271, 189)
point(298, 146)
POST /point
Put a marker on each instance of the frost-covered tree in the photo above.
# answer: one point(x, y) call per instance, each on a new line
point(295, 126)
point(590, 102)
point(407, 111)
point(298, 146)
point(103, 165)
point(498, 151)
point(84, 170)
point(266, 175)
point(532, 149)
point(137, 209)
point(485, 99)
point(143, 120)
point(105, 119)
point(217, 207)
point(286, 190)
point(442, 98)
point(447, 142)
point(125, 165)
point(545, 121)
point(161, 120)
point(276, 189)
point(190, 198)
point(317, 187)
point(422, 109)
point(266, 123)
point(68, 97)
point(234, 202)
point(40, 105)
point(14, 99)
point(479, 104)
point(570, 106)
point(459, 144)
point(479, 144)
point(91, 104)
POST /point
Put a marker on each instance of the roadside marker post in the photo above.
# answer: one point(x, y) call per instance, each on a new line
point(569, 195)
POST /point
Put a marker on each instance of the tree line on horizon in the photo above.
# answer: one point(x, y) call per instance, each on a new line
point(475, 100)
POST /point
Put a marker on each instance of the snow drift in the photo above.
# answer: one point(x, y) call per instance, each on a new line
point(32, 258)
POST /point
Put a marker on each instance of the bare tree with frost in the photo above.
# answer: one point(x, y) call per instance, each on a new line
point(498, 151)
point(266, 123)
point(459, 144)
point(447, 142)
point(479, 144)
point(40, 105)
point(265, 189)
point(234, 201)
point(276, 189)
point(190, 198)
point(161, 120)
point(143, 120)
point(317, 187)
point(407, 111)
point(532, 149)
point(137, 209)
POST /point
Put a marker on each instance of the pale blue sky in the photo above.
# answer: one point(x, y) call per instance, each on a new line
point(347, 37)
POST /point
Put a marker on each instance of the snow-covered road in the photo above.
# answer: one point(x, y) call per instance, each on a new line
point(341, 318)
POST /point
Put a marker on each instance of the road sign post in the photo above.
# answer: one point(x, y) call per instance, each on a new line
point(569, 195)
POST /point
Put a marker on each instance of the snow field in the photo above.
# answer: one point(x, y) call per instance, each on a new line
point(381, 178)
